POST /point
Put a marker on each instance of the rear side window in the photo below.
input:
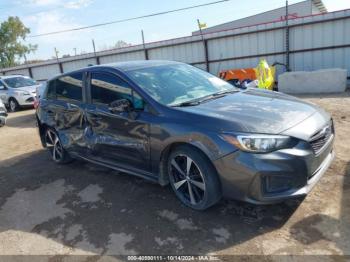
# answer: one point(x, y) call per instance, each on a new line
point(69, 87)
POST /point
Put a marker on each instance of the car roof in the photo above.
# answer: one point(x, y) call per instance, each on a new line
point(138, 64)
point(11, 76)
point(122, 66)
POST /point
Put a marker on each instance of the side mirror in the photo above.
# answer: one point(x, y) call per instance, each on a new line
point(120, 105)
point(2, 88)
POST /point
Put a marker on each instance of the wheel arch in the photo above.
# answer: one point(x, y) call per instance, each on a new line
point(42, 128)
point(163, 176)
point(11, 97)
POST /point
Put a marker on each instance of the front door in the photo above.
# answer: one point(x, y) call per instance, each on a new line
point(120, 139)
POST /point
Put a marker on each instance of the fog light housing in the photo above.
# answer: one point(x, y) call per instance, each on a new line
point(277, 184)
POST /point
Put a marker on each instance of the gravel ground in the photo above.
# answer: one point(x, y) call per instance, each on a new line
point(46, 209)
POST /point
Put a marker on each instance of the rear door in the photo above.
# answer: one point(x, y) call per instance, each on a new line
point(64, 109)
point(118, 138)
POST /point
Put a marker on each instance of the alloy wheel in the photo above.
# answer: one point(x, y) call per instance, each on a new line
point(54, 145)
point(187, 179)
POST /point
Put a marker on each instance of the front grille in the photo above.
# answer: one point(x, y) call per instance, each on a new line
point(318, 140)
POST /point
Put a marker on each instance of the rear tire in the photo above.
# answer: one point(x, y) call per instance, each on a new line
point(193, 178)
point(53, 143)
point(13, 105)
point(2, 121)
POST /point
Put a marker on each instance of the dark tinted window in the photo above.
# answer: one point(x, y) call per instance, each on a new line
point(70, 87)
point(51, 92)
point(106, 88)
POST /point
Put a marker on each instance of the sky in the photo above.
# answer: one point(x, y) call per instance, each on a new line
point(43, 16)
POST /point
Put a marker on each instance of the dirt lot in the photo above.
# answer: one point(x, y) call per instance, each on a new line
point(83, 209)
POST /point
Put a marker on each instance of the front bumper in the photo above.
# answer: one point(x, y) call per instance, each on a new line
point(273, 177)
point(26, 100)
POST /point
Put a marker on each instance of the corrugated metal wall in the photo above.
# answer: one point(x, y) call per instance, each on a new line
point(316, 42)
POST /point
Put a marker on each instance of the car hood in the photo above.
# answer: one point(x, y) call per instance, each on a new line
point(31, 89)
point(254, 110)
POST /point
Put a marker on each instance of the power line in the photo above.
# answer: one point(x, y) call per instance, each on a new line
point(129, 19)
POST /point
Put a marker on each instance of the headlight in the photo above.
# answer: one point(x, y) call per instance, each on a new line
point(258, 143)
point(22, 93)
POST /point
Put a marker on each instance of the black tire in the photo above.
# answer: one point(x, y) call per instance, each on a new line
point(202, 181)
point(13, 105)
point(53, 143)
point(2, 121)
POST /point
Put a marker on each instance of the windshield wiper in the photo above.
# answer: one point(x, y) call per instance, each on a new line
point(206, 98)
point(217, 95)
point(188, 103)
point(226, 92)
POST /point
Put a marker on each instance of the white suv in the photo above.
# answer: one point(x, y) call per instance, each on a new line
point(17, 91)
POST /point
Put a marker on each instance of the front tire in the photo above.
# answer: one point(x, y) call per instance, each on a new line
point(193, 178)
point(13, 105)
point(53, 143)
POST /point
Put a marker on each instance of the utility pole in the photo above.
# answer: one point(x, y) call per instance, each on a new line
point(204, 45)
point(144, 45)
point(28, 67)
point(287, 39)
point(58, 62)
point(75, 51)
point(97, 58)
point(25, 59)
point(93, 45)
point(56, 53)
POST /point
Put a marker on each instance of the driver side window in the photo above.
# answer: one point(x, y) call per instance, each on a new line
point(106, 88)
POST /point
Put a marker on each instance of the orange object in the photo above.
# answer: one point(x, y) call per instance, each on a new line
point(239, 74)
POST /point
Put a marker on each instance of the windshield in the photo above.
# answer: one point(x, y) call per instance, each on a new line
point(19, 81)
point(180, 83)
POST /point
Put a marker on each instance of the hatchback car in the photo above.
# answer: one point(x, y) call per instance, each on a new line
point(172, 123)
point(17, 91)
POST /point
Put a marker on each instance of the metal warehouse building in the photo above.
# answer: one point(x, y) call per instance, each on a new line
point(316, 41)
point(305, 8)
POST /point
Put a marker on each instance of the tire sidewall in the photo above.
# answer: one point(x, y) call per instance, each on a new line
point(212, 192)
point(65, 156)
point(16, 107)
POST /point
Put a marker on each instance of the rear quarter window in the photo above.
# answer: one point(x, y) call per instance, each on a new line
point(70, 87)
point(66, 88)
point(50, 90)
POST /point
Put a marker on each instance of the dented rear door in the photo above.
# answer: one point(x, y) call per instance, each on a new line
point(63, 109)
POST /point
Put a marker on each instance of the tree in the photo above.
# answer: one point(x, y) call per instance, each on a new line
point(12, 34)
point(121, 43)
point(118, 44)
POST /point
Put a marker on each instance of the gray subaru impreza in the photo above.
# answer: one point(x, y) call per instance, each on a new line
point(172, 123)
